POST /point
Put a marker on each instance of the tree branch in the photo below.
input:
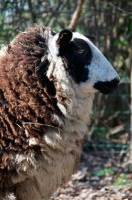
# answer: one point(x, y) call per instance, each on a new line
point(31, 11)
point(76, 15)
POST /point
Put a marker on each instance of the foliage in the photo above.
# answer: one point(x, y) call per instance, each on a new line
point(103, 172)
point(121, 181)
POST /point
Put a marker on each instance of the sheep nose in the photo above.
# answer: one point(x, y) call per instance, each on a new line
point(107, 86)
point(113, 84)
point(115, 81)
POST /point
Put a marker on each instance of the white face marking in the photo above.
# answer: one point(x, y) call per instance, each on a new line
point(53, 50)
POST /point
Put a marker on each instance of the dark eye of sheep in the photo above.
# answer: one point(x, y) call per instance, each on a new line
point(76, 56)
point(81, 51)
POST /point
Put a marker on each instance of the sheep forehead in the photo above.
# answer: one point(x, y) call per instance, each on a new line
point(80, 36)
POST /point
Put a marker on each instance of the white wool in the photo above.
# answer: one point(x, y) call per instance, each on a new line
point(32, 141)
point(10, 197)
point(52, 137)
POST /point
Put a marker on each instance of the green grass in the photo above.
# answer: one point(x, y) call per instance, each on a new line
point(103, 172)
point(121, 181)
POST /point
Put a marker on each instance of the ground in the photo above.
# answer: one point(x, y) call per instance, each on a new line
point(100, 176)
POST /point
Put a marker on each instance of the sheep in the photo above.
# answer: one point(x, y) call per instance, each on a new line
point(47, 86)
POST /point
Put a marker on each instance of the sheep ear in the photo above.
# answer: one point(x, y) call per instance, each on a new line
point(64, 38)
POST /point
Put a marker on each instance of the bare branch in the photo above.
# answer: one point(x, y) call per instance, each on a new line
point(76, 15)
point(124, 13)
point(31, 11)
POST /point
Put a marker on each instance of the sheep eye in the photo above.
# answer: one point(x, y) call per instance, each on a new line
point(81, 51)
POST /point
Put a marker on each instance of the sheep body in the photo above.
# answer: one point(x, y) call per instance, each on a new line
point(45, 107)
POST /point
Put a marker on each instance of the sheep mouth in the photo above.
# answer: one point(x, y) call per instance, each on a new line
point(105, 90)
point(106, 87)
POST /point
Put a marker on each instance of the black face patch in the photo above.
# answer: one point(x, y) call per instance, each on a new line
point(76, 56)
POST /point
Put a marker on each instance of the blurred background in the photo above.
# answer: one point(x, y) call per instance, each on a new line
point(110, 23)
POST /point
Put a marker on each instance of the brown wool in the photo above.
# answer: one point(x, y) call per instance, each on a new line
point(23, 97)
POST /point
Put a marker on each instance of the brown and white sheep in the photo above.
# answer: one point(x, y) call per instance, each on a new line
point(47, 86)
